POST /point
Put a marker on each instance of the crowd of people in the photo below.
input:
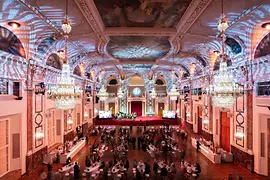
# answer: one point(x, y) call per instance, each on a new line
point(121, 115)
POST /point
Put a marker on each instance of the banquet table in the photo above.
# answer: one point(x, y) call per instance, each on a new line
point(161, 164)
point(152, 148)
point(215, 158)
point(116, 168)
point(92, 169)
point(67, 168)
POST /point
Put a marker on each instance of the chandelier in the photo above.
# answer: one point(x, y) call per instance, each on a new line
point(223, 89)
point(173, 93)
point(153, 93)
point(120, 93)
point(65, 93)
point(103, 94)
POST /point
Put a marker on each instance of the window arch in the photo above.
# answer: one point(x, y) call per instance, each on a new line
point(10, 43)
point(45, 45)
point(77, 71)
point(263, 48)
point(159, 82)
point(112, 82)
point(234, 45)
point(54, 61)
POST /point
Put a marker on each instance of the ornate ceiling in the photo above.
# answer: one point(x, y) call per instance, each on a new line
point(147, 48)
point(135, 36)
point(141, 13)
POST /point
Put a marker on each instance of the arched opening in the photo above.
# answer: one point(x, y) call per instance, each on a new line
point(10, 43)
point(54, 61)
point(263, 48)
point(45, 45)
point(113, 82)
point(77, 71)
point(234, 45)
point(159, 82)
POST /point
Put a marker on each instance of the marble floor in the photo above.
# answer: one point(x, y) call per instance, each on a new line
point(210, 171)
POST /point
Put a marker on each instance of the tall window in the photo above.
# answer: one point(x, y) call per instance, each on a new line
point(4, 147)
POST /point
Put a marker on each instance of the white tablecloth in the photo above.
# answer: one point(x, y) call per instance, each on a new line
point(93, 169)
point(67, 168)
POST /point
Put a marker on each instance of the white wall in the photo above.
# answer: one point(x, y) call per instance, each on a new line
point(260, 116)
point(16, 110)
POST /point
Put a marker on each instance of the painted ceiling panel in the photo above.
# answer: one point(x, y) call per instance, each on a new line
point(138, 47)
point(141, 13)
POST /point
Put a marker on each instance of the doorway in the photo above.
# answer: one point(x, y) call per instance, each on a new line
point(136, 107)
point(112, 108)
point(160, 109)
point(199, 118)
point(225, 131)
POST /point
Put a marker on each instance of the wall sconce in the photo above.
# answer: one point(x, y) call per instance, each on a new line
point(266, 26)
point(188, 114)
point(39, 135)
point(239, 135)
point(86, 114)
point(206, 121)
point(15, 25)
point(69, 120)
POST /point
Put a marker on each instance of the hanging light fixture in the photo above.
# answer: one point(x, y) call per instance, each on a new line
point(223, 89)
point(103, 94)
point(65, 93)
point(120, 93)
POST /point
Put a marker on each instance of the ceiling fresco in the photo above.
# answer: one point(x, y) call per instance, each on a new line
point(138, 47)
point(141, 13)
point(137, 66)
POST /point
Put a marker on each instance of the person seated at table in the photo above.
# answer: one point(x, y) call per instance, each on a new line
point(102, 166)
point(163, 172)
point(110, 164)
point(126, 164)
point(76, 171)
point(155, 166)
point(68, 161)
point(134, 163)
point(87, 161)
point(138, 175)
point(147, 168)
point(189, 169)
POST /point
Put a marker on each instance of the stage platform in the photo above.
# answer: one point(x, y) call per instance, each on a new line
point(139, 121)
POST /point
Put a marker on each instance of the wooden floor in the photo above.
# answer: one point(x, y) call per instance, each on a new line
point(210, 171)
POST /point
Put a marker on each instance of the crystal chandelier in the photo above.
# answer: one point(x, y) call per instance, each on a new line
point(223, 89)
point(120, 93)
point(173, 93)
point(65, 93)
point(103, 94)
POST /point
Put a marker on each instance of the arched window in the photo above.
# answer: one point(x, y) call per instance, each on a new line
point(77, 71)
point(54, 61)
point(234, 45)
point(45, 45)
point(113, 82)
point(10, 43)
point(159, 82)
point(263, 49)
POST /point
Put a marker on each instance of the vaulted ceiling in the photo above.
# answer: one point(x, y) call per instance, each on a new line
point(134, 36)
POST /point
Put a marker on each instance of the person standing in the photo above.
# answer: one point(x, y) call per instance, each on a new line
point(198, 145)
point(76, 171)
point(139, 142)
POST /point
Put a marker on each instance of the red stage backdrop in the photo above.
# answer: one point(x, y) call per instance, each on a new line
point(136, 106)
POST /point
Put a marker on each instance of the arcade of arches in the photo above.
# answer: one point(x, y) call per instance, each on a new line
point(142, 89)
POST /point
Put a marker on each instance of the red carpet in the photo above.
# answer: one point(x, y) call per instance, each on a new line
point(139, 121)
